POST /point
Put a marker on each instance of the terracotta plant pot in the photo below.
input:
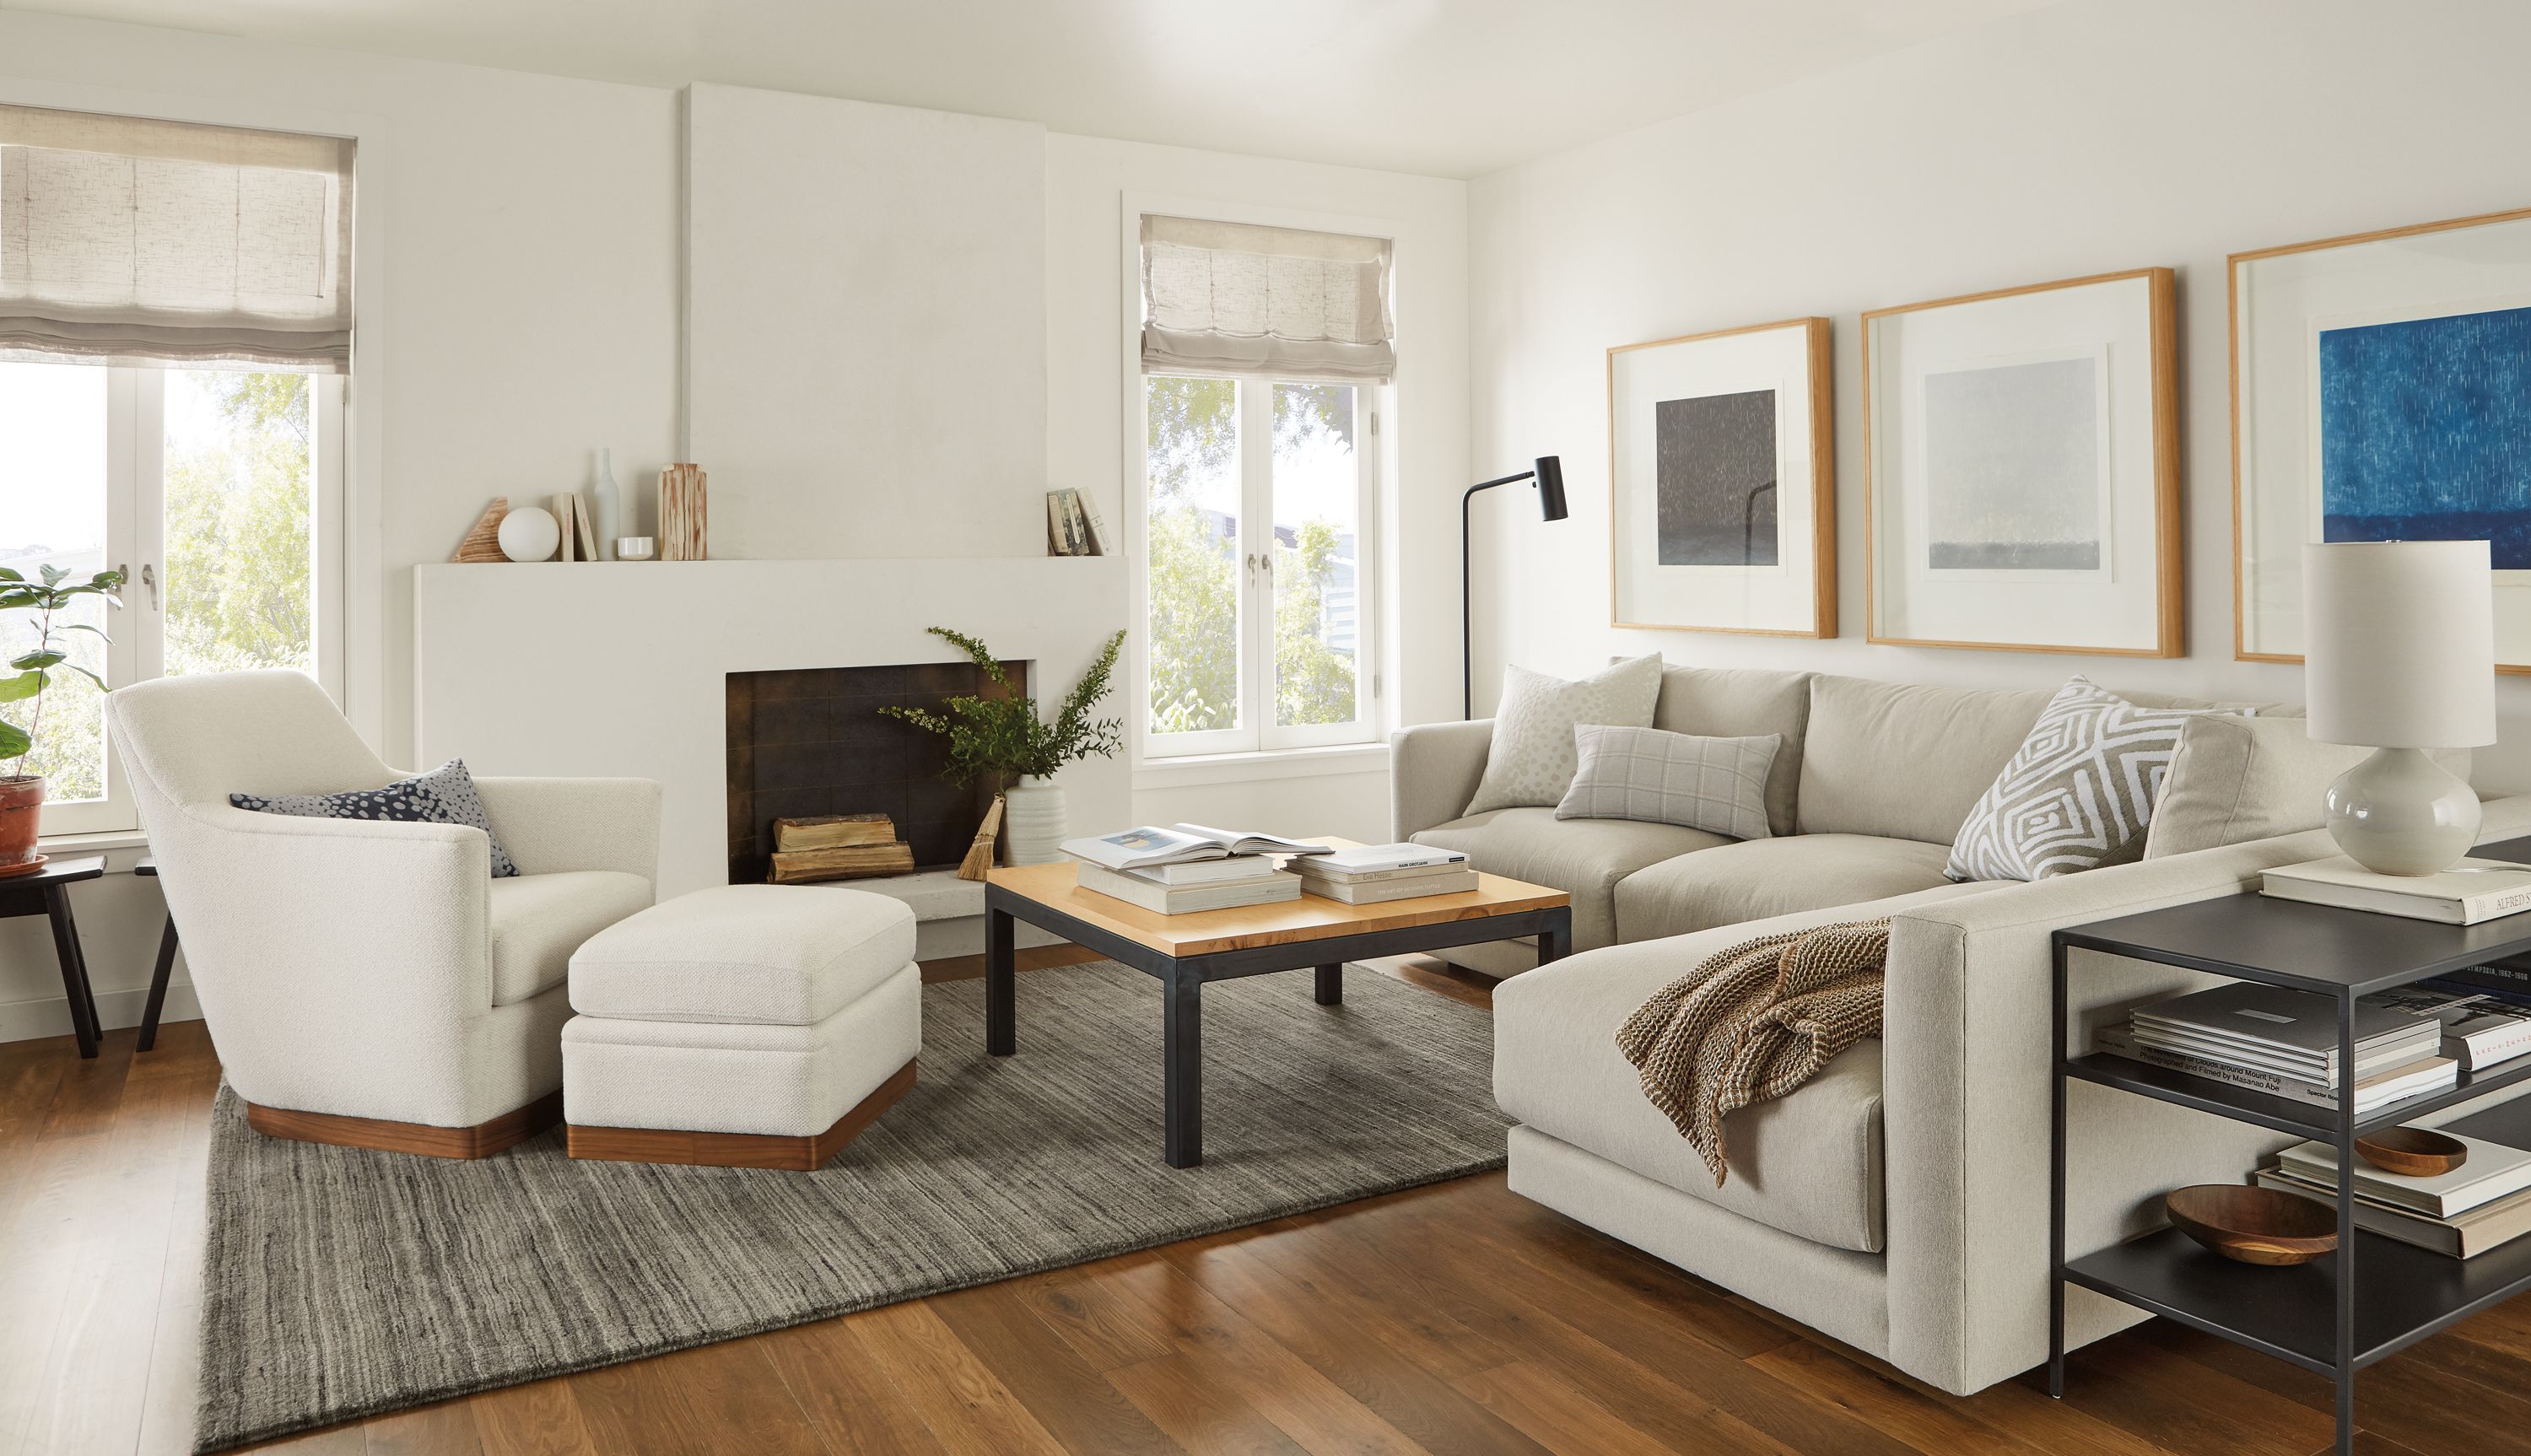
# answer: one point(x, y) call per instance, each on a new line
point(22, 799)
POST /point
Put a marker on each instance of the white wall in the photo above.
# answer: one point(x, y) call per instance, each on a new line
point(2094, 136)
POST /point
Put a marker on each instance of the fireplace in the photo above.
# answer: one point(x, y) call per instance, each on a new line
point(803, 743)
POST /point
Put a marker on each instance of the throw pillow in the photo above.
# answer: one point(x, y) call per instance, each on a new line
point(444, 795)
point(1714, 784)
point(2234, 780)
point(1531, 758)
point(2078, 794)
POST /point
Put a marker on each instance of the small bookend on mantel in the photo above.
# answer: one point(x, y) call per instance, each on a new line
point(484, 541)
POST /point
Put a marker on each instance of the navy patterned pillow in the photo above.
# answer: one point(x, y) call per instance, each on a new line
point(444, 795)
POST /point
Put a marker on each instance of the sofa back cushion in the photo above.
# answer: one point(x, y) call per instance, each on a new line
point(1744, 703)
point(1905, 760)
point(2235, 779)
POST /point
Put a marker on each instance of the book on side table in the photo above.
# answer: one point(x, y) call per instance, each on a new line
point(1184, 869)
point(2470, 892)
point(2285, 1043)
point(1150, 846)
point(1374, 874)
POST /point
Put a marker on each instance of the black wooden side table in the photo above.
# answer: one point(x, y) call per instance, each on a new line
point(46, 892)
point(2375, 1295)
point(158, 975)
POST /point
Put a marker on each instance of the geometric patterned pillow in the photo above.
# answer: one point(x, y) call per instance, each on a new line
point(1714, 784)
point(444, 795)
point(2078, 794)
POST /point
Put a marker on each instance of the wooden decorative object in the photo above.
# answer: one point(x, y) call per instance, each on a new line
point(480, 1140)
point(833, 831)
point(853, 862)
point(684, 535)
point(583, 522)
point(738, 1150)
point(2412, 1152)
point(980, 855)
point(484, 541)
point(2253, 1225)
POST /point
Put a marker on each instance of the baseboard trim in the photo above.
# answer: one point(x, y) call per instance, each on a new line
point(50, 1016)
point(738, 1150)
point(482, 1140)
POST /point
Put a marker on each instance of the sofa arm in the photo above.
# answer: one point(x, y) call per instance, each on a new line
point(1966, 1086)
point(1433, 773)
point(553, 824)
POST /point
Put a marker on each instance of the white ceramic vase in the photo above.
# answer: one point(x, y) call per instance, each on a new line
point(1033, 821)
point(606, 501)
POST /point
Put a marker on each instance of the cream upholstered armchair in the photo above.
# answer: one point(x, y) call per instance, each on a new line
point(369, 982)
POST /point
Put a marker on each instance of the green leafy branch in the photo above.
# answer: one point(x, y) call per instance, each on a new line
point(1003, 735)
point(45, 599)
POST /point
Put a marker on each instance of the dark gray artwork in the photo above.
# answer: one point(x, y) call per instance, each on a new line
point(1714, 479)
point(2012, 466)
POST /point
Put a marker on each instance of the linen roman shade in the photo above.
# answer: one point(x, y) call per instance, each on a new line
point(124, 239)
point(1228, 297)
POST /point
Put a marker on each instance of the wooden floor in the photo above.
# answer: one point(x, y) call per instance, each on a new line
point(1452, 1319)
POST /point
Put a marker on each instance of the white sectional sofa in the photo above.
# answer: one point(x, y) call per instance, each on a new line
point(1899, 1202)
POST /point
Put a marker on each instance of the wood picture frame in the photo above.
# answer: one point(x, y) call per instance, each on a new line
point(2280, 424)
point(2056, 583)
point(1664, 575)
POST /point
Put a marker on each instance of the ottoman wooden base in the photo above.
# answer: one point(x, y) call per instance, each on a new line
point(738, 1150)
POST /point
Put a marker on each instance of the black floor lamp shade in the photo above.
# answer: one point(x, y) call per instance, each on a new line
point(1547, 473)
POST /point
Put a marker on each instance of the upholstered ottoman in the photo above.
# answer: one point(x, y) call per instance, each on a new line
point(747, 1025)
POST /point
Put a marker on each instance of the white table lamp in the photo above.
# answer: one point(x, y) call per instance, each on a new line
point(2399, 655)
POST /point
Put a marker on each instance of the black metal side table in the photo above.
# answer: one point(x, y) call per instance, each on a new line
point(2375, 1295)
point(46, 892)
point(159, 975)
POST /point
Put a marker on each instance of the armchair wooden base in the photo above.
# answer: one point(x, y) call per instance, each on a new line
point(480, 1140)
point(798, 1154)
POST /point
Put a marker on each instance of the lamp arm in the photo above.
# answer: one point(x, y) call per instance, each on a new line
point(1466, 649)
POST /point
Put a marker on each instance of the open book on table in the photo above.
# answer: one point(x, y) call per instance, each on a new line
point(1181, 844)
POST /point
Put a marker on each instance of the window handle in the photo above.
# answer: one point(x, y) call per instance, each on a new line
point(150, 579)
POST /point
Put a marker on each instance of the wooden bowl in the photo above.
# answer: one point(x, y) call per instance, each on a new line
point(2412, 1152)
point(2254, 1225)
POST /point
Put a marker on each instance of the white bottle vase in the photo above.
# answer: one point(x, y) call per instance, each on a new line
point(603, 497)
point(1033, 821)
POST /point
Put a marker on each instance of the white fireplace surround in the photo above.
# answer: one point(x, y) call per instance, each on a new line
point(617, 667)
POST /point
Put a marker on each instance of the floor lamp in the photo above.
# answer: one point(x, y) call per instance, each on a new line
point(1549, 472)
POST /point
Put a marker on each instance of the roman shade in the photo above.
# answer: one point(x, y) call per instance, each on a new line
point(124, 239)
point(1228, 298)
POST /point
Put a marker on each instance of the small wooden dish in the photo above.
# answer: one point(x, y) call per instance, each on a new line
point(2254, 1225)
point(2412, 1152)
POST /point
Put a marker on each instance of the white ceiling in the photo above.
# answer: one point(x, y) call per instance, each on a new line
point(1450, 88)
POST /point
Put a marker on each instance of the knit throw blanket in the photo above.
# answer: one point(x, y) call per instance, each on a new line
point(1755, 1022)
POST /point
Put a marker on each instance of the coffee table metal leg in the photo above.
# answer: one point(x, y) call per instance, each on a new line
point(1556, 942)
point(1182, 1080)
point(1001, 984)
point(1330, 991)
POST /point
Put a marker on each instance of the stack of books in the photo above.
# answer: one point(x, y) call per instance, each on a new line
point(1188, 868)
point(2480, 1027)
point(2483, 1202)
point(837, 846)
point(2285, 1043)
point(2471, 891)
point(1377, 874)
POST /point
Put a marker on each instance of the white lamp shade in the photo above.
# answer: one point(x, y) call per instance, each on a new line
point(2399, 646)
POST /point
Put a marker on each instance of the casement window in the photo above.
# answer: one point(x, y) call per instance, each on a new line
point(175, 328)
point(1266, 357)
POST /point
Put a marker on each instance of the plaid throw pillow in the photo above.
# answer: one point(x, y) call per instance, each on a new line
point(1714, 784)
point(444, 795)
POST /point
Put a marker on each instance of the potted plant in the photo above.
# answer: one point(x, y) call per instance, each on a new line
point(22, 794)
point(1003, 738)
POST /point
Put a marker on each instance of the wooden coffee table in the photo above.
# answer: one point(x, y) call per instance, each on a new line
point(1185, 951)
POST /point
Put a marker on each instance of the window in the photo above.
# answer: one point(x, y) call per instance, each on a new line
point(212, 490)
point(1254, 569)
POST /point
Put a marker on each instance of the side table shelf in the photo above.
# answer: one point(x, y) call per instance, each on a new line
point(2373, 1297)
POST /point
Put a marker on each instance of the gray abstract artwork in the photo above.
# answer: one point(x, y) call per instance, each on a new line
point(1713, 483)
point(2012, 466)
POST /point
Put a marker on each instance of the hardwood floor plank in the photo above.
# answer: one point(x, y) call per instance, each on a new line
point(1719, 1322)
point(713, 1400)
point(1202, 1417)
point(1088, 1325)
point(90, 1090)
point(443, 1430)
point(1082, 1411)
point(537, 1419)
point(855, 1408)
point(2189, 1406)
point(1886, 1405)
point(1554, 1414)
point(965, 1405)
point(174, 1353)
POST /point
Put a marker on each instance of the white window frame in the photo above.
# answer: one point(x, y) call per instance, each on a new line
point(135, 424)
point(1257, 737)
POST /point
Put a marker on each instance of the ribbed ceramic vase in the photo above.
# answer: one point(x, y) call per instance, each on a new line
point(1033, 821)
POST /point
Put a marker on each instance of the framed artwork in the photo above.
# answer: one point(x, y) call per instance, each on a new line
point(2022, 468)
point(1722, 483)
point(2381, 391)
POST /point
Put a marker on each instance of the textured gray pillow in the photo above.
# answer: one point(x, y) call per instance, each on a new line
point(1714, 784)
point(1531, 758)
point(2079, 793)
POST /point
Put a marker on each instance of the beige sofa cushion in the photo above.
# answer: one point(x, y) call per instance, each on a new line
point(1904, 760)
point(1584, 857)
point(1531, 760)
point(2235, 779)
point(536, 921)
point(1743, 703)
point(1763, 877)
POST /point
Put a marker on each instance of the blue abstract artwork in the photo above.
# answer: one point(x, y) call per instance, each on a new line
point(2425, 432)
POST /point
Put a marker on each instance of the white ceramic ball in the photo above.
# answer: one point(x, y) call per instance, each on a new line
point(529, 533)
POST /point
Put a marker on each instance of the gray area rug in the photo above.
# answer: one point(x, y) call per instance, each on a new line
point(341, 1283)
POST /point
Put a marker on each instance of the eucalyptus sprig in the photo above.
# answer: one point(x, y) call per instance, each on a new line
point(1003, 736)
point(45, 598)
